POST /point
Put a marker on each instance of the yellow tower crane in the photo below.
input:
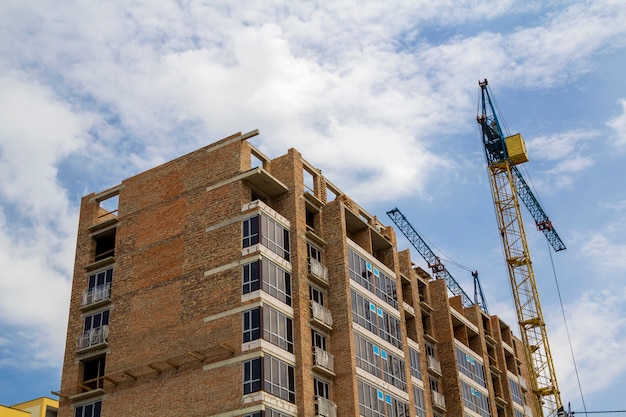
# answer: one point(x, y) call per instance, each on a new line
point(503, 154)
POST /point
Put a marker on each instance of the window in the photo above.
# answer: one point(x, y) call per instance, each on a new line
point(270, 374)
point(276, 327)
point(279, 379)
point(95, 330)
point(377, 361)
point(314, 252)
point(475, 400)
point(374, 280)
point(318, 340)
point(434, 384)
point(374, 402)
point(105, 245)
point(266, 275)
point(376, 320)
point(97, 320)
point(367, 357)
point(393, 370)
point(386, 288)
point(250, 231)
point(251, 324)
point(321, 388)
point(252, 376)
point(518, 413)
point(98, 287)
point(251, 277)
point(316, 295)
point(275, 237)
point(516, 393)
point(88, 410)
point(276, 281)
point(360, 270)
point(420, 405)
point(414, 357)
point(470, 366)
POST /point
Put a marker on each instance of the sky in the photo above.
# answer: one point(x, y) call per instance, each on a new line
point(382, 96)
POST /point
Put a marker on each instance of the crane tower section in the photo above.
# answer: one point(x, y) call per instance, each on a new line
point(508, 187)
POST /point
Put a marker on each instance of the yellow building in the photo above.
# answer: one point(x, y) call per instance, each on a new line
point(40, 407)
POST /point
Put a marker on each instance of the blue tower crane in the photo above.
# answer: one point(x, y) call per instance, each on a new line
point(434, 263)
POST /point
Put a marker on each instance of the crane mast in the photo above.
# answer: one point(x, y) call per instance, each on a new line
point(508, 187)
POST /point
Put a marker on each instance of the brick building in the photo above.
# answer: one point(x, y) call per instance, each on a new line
point(225, 283)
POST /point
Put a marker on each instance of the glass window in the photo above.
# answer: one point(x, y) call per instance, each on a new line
point(279, 379)
point(316, 295)
point(471, 367)
point(251, 277)
point(414, 357)
point(100, 278)
point(373, 279)
point(276, 281)
point(95, 321)
point(277, 328)
point(251, 324)
point(88, 410)
point(420, 405)
point(252, 376)
point(516, 393)
point(250, 231)
point(475, 400)
point(321, 388)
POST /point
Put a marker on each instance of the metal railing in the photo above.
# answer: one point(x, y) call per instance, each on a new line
point(438, 400)
point(325, 407)
point(92, 337)
point(433, 364)
point(321, 314)
point(95, 294)
point(318, 269)
point(324, 359)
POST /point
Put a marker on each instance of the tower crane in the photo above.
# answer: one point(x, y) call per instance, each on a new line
point(434, 263)
point(508, 187)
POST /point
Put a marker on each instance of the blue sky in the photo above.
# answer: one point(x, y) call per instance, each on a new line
point(382, 96)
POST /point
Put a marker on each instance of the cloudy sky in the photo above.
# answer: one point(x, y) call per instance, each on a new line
point(381, 95)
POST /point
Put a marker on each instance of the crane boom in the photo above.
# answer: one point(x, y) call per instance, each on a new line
point(434, 263)
point(507, 185)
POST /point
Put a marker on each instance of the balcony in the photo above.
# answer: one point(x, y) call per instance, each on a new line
point(323, 361)
point(321, 315)
point(318, 271)
point(433, 365)
point(325, 407)
point(96, 294)
point(439, 401)
point(92, 338)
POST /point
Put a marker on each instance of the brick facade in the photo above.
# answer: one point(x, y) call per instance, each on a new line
point(172, 343)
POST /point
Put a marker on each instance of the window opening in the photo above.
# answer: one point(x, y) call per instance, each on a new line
point(89, 410)
point(317, 295)
point(105, 245)
point(93, 374)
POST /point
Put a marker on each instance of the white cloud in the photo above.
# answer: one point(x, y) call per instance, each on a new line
point(618, 123)
point(606, 254)
point(597, 327)
point(37, 221)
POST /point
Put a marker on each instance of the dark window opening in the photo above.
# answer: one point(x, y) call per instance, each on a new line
point(105, 245)
point(93, 374)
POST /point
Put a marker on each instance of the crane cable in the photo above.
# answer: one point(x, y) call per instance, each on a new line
point(569, 339)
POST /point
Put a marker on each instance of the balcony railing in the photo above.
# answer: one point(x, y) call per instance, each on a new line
point(439, 400)
point(321, 314)
point(92, 337)
point(95, 294)
point(325, 407)
point(433, 364)
point(324, 359)
point(318, 270)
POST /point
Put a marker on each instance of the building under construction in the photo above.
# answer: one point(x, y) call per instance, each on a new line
point(225, 283)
